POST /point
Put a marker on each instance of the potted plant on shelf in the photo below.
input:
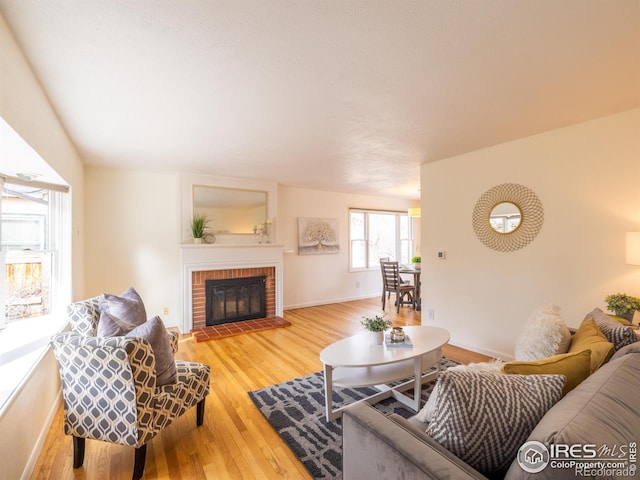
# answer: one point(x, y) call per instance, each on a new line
point(416, 262)
point(376, 326)
point(199, 223)
point(622, 305)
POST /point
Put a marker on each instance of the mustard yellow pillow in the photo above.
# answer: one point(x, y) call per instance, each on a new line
point(575, 366)
point(589, 337)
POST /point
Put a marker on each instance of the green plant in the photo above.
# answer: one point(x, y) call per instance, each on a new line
point(199, 223)
point(416, 259)
point(375, 324)
point(622, 304)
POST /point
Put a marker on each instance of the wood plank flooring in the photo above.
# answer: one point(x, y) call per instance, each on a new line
point(235, 442)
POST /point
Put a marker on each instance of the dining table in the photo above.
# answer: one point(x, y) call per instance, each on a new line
point(417, 301)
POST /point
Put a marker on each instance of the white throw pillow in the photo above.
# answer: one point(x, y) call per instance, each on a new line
point(545, 334)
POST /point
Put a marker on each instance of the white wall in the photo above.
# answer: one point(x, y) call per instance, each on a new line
point(26, 108)
point(133, 232)
point(587, 177)
point(318, 279)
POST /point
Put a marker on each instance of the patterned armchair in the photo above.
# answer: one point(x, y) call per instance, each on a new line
point(109, 386)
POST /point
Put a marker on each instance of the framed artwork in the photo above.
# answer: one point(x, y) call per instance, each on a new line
point(318, 236)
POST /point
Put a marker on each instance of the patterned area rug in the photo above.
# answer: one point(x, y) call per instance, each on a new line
point(295, 409)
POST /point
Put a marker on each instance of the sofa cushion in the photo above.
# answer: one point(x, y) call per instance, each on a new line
point(484, 418)
point(154, 332)
point(633, 348)
point(128, 306)
point(575, 366)
point(544, 334)
point(617, 333)
point(603, 411)
point(589, 337)
point(377, 446)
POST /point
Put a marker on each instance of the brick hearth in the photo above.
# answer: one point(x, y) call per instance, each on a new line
point(198, 279)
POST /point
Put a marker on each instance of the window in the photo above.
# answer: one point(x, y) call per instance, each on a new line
point(378, 234)
point(36, 266)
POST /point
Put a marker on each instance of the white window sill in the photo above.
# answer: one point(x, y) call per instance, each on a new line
point(22, 345)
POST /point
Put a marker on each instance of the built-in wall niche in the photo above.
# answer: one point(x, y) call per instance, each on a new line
point(236, 208)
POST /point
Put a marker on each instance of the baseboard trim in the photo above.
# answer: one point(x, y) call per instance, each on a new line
point(484, 351)
point(328, 301)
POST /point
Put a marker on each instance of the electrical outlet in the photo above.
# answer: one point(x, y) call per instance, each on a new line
point(432, 314)
point(442, 255)
point(165, 311)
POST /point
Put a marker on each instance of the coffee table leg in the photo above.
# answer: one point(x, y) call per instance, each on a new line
point(417, 384)
point(328, 392)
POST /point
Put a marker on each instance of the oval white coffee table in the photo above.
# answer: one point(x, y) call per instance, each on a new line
point(354, 362)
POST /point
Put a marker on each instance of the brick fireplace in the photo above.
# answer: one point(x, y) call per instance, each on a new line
point(198, 294)
point(203, 262)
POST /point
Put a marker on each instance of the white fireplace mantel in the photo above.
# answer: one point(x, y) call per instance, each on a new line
point(198, 258)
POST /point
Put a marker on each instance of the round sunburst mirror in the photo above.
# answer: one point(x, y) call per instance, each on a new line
point(507, 217)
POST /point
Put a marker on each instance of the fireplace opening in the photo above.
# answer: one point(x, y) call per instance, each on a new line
point(235, 299)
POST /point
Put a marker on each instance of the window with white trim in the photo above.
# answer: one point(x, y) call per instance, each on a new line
point(376, 234)
point(32, 219)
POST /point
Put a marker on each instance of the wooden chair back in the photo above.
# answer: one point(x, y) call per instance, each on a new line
point(390, 275)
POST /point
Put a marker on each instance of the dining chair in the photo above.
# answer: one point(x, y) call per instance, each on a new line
point(393, 283)
point(402, 280)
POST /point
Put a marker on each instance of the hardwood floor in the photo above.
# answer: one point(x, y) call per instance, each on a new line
point(235, 441)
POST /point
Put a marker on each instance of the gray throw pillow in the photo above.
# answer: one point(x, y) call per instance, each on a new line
point(111, 326)
point(155, 333)
point(484, 418)
point(128, 306)
point(618, 334)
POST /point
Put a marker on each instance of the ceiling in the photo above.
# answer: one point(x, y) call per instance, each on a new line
point(338, 95)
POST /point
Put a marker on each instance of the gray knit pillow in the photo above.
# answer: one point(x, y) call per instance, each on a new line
point(483, 418)
point(618, 334)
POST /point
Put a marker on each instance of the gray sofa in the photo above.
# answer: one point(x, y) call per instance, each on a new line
point(603, 410)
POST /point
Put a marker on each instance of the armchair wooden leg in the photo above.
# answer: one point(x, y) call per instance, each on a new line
point(138, 465)
point(78, 452)
point(200, 412)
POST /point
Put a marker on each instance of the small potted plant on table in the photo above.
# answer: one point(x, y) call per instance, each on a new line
point(622, 305)
point(416, 262)
point(376, 326)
